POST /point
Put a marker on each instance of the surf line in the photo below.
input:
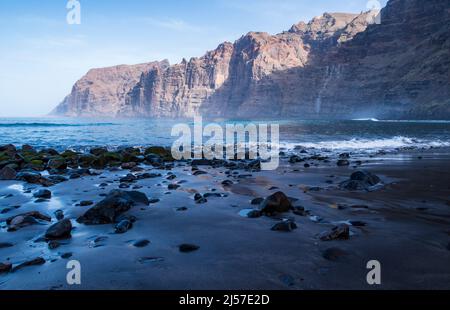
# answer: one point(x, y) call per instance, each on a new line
point(236, 140)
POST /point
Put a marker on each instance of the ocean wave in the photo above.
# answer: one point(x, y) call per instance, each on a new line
point(367, 119)
point(397, 142)
point(54, 125)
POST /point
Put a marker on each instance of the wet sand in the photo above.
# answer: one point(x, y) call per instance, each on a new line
point(407, 229)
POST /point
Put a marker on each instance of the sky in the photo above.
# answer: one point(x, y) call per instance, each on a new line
point(42, 55)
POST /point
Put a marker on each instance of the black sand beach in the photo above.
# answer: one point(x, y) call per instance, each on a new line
point(403, 222)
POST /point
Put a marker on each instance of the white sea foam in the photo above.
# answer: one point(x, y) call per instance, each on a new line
point(367, 119)
point(397, 142)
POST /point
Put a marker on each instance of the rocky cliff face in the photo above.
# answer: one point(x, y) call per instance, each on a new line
point(102, 92)
point(336, 66)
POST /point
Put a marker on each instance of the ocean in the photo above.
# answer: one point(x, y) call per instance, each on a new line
point(369, 135)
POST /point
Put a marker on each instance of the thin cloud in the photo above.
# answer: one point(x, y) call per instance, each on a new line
point(173, 24)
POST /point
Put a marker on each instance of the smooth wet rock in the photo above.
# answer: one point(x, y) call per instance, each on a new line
point(43, 194)
point(295, 159)
point(57, 179)
point(59, 215)
point(127, 217)
point(254, 214)
point(5, 210)
point(216, 195)
point(60, 230)
point(361, 180)
point(29, 177)
point(173, 186)
point(276, 203)
point(128, 166)
point(187, 248)
point(66, 255)
point(340, 232)
point(286, 226)
point(57, 163)
point(10, 149)
point(158, 150)
point(5, 267)
point(129, 178)
point(343, 163)
point(199, 199)
point(25, 219)
point(53, 244)
point(123, 226)
point(97, 151)
point(199, 172)
point(171, 177)
point(4, 245)
point(8, 173)
point(86, 203)
point(74, 176)
point(227, 183)
point(300, 211)
point(141, 243)
point(116, 203)
point(34, 262)
point(147, 175)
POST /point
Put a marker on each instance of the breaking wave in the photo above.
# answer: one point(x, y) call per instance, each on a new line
point(398, 142)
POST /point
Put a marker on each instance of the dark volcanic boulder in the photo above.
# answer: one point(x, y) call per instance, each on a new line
point(57, 163)
point(8, 149)
point(7, 173)
point(34, 262)
point(123, 226)
point(5, 267)
point(33, 178)
point(343, 163)
point(26, 219)
point(276, 203)
point(97, 151)
point(284, 226)
point(116, 203)
point(341, 232)
point(43, 193)
point(86, 160)
point(29, 177)
point(361, 180)
point(163, 153)
point(60, 230)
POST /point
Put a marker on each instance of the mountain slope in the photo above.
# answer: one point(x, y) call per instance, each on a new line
point(336, 66)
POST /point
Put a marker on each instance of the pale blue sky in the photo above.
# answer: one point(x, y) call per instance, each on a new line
point(41, 56)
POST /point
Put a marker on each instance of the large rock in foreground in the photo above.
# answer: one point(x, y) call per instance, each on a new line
point(276, 203)
point(116, 203)
point(362, 180)
point(60, 230)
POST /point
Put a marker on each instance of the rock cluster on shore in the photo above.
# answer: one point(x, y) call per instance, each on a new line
point(48, 167)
